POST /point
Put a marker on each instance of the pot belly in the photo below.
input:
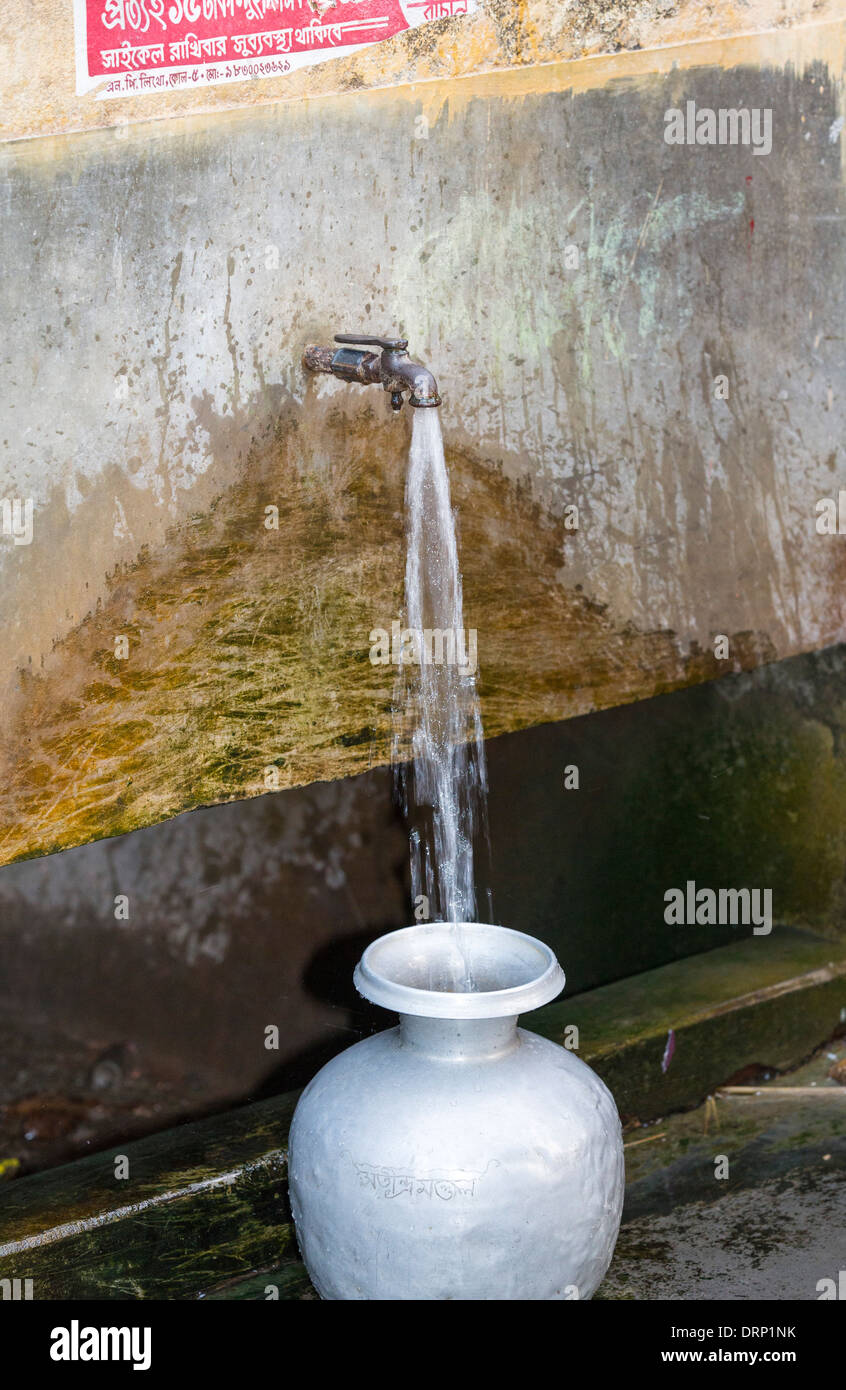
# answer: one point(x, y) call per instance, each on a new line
point(423, 1178)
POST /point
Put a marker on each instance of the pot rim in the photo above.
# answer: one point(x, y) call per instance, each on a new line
point(491, 951)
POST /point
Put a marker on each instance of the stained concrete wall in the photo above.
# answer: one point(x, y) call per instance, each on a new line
point(37, 49)
point(161, 281)
point(119, 1016)
point(164, 265)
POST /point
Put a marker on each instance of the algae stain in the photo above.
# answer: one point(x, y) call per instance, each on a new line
point(249, 649)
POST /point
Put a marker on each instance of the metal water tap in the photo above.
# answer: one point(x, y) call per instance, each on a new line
point(391, 368)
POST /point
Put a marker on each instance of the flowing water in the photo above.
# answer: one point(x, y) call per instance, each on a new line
point(438, 743)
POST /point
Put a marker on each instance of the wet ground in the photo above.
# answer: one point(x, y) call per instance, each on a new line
point(743, 1198)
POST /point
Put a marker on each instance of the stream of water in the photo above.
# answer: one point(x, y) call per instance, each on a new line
point(438, 740)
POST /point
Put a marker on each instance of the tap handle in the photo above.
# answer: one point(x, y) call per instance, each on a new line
point(362, 340)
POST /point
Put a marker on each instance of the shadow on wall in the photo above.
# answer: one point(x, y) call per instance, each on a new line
point(142, 973)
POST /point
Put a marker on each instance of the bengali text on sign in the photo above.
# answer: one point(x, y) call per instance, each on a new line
point(129, 47)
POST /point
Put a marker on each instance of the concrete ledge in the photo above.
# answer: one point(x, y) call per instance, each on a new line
point(205, 1205)
point(766, 1000)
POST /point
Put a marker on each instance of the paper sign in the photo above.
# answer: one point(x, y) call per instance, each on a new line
point(130, 47)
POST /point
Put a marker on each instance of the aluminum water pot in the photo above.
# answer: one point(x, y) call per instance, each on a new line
point(456, 1156)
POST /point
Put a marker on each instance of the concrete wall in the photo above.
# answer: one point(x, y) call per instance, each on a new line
point(500, 190)
point(252, 915)
point(37, 48)
point(161, 280)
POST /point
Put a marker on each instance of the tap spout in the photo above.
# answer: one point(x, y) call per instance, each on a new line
point(391, 368)
point(399, 373)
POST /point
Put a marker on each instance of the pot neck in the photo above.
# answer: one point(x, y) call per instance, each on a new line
point(458, 1038)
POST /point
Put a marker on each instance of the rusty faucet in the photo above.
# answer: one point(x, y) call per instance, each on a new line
point(391, 368)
